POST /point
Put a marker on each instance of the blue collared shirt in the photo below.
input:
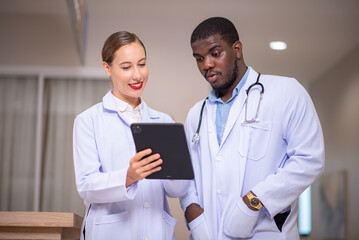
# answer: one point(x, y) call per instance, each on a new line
point(223, 108)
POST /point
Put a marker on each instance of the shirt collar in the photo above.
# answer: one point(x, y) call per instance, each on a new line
point(125, 107)
point(213, 97)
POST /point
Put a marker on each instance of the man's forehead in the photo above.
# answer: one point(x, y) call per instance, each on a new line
point(208, 42)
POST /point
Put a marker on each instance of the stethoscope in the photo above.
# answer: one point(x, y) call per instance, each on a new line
point(195, 138)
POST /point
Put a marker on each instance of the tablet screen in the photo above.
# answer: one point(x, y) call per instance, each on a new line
point(167, 139)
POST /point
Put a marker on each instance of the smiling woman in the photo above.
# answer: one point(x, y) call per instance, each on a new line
point(129, 73)
point(110, 175)
point(126, 67)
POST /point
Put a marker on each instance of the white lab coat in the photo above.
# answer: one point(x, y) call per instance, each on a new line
point(277, 158)
point(103, 147)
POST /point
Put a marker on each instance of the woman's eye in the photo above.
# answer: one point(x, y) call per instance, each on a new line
point(125, 68)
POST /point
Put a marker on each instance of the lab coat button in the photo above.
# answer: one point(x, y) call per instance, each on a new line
point(147, 205)
point(210, 130)
point(219, 158)
point(219, 191)
point(146, 238)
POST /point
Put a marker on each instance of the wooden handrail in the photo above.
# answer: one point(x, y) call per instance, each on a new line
point(39, 225)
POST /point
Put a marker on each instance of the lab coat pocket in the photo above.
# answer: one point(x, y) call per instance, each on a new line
point(241, 221)
point(169, 224)
point(254, 139)
point(110, 226)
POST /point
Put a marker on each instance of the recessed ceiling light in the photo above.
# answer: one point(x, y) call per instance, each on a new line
point(278, 45)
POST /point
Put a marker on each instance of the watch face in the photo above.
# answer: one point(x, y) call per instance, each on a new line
point(254, 202)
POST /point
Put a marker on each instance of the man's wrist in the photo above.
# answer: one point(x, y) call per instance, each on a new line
point(252, 202)
point(192, 212)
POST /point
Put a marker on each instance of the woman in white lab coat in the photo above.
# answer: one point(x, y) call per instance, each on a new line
point(110, 175)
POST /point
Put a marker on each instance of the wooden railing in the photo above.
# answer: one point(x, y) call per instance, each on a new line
point(40, 225)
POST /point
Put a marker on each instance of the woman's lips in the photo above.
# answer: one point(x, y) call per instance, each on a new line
point(136, 86)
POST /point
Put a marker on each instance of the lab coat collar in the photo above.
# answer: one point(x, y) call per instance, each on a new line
point(238, 104)
point(148, 114)
point(109, 102)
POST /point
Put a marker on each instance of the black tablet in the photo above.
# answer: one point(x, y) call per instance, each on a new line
point(167, 139)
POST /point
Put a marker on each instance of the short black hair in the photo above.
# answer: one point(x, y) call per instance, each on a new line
point(213, 26)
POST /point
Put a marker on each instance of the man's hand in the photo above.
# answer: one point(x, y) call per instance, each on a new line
point(192, 212)
point(142, 165)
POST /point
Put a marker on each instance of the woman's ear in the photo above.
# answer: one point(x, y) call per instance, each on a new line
point(107, 68)
point(237, 48)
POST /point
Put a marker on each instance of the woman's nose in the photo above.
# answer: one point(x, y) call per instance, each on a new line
point(136, 74)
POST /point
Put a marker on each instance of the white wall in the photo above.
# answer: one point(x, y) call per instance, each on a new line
point(336, 97)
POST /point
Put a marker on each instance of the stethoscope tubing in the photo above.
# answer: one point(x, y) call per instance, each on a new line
point(256, 83)
point(195, 138)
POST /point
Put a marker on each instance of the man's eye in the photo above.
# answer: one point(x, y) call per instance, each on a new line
point(199, 59)
point(216, 54)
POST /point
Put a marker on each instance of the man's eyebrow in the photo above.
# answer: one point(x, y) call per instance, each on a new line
point(209, 50)
point(212, 48)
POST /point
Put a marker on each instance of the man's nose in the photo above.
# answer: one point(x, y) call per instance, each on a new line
point(208, 63)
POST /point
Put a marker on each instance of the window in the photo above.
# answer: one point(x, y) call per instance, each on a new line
point(305, 215)
point(36, 122)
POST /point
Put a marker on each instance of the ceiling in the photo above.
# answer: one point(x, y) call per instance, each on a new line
point(318, 33)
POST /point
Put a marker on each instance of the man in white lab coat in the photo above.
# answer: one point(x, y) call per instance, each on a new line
point(258, 149)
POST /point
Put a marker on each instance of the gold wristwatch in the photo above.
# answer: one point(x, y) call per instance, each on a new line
point(254, 201)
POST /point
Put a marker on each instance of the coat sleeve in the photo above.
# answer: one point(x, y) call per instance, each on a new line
point(302, 132)
point(93, 185)
point(191, 195)
point(176, 188)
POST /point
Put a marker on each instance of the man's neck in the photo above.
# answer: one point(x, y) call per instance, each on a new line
point(226, 94)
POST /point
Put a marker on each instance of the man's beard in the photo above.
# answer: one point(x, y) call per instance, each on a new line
point(229, 83)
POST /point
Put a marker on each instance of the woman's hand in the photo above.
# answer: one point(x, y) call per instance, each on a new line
point(142, 165)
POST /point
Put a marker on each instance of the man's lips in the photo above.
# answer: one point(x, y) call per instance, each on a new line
point(136, 86)
point(212, 76)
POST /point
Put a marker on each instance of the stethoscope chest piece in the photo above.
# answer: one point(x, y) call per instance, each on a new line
point(195, 138)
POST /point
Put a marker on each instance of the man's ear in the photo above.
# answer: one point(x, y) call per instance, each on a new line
point(107, 68)
point(237, 48)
